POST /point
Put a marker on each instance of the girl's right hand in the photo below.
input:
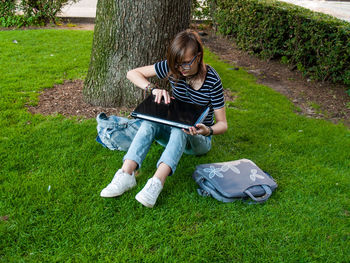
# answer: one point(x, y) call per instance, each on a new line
point(161, 93)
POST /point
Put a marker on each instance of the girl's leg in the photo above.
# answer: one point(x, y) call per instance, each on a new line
point(165, 166)
point(124, 179)
point(174, 149)
point(162, 172)
point(198, 145)
point(129, 166)
point(140, 146)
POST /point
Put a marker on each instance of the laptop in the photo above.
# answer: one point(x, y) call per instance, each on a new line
point(177, 113)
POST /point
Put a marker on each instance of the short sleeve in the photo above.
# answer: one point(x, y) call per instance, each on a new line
point(217, 95)
point(162, 69)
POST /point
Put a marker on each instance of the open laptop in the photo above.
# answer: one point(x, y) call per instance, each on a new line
point(177, 113)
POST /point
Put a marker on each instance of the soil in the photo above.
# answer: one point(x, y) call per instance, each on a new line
point(315, 99)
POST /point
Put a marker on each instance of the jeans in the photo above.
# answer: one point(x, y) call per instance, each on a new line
point(176, 142)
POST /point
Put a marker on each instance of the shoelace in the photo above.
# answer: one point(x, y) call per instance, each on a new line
point(153, 187)
point(116, 180)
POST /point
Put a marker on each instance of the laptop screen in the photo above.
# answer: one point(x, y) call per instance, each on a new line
point(177, 113)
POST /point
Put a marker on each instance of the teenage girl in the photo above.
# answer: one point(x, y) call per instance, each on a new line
point(191, 81)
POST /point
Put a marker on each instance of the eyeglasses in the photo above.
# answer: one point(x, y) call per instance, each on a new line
point(186, 66)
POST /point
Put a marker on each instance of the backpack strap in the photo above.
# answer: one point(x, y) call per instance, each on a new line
point(263, 198)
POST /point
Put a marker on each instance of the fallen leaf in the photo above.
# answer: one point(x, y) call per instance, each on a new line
point(4, 218)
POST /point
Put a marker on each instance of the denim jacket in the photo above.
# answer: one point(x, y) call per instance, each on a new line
point(116, 133)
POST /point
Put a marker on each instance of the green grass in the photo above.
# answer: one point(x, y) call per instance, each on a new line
point(52, 172)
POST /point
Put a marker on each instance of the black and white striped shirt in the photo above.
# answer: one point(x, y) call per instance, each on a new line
point(210, 92)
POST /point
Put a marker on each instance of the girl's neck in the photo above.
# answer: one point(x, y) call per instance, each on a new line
point(196, 76)
point(191, 77)
point(195, 81)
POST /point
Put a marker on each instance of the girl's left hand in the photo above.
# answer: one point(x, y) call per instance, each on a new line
point(199, 129)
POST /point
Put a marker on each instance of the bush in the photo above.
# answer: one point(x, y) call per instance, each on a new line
point(200, 9)
point(35, 12)
point(43, 11)
point(7, 8)
point(317, 44)
point(8, 15)
point(15, 20)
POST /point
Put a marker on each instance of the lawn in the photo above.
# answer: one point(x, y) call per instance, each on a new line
point(52, 171)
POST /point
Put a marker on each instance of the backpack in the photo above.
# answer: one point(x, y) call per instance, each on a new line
point(234, 180)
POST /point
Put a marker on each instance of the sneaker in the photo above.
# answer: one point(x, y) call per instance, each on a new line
point(121, 183)
point(149, 194)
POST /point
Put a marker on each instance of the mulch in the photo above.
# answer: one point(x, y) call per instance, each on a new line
point(67, 99)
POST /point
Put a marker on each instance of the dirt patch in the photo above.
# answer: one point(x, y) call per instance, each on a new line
point(67, 99)
point(315, 99)
point(77, 26)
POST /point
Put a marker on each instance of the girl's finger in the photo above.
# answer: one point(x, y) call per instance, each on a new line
point(167, 97)
point(185, 131)
point(200, 125)
point(159, 97)
point(193, 131)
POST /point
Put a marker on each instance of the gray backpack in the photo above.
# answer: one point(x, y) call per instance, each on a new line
point(230, 181)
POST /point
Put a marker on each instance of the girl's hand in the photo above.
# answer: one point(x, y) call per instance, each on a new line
point(161, 93)
point(199, 129)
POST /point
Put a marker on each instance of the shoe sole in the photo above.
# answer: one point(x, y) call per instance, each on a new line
point(142, 201)
point(119, 194)
point(109, 196)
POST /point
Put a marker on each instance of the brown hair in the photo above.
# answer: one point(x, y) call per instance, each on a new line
point(188, 39)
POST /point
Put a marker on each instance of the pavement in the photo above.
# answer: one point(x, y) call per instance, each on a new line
point(337, 9)
point(82, 9)
point(341, 10)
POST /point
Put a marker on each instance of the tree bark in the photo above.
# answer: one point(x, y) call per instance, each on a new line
point(129, 34)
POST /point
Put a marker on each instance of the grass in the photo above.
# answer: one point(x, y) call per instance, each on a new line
point(52, 171)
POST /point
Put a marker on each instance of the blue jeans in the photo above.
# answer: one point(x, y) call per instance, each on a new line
point(176, 142)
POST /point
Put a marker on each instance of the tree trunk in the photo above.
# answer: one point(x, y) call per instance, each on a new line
point(129, 34)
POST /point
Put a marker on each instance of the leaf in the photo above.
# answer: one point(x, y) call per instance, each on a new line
point(4, 218)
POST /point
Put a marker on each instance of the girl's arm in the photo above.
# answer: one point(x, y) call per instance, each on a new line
point(221, 123)
point(140, 76)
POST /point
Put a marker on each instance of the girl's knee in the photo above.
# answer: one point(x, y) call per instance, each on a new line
point(178, 133)
point(148, 126)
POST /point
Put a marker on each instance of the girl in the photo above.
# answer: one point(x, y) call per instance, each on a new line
point(191, 81)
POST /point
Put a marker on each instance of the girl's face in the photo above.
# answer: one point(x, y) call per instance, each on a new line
point(190, 63)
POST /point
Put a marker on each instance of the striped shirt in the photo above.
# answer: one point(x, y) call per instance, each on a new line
point(211, 91)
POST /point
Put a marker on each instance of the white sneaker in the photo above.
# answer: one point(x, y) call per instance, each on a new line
point(149, 194)
point(121, 183)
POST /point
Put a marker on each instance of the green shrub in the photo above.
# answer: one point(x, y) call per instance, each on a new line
point(15, 20)
point(7, 8)
point(317, 44)
point(200, 9)
point(44, 11)
point(8, 15)
point(35, 12)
